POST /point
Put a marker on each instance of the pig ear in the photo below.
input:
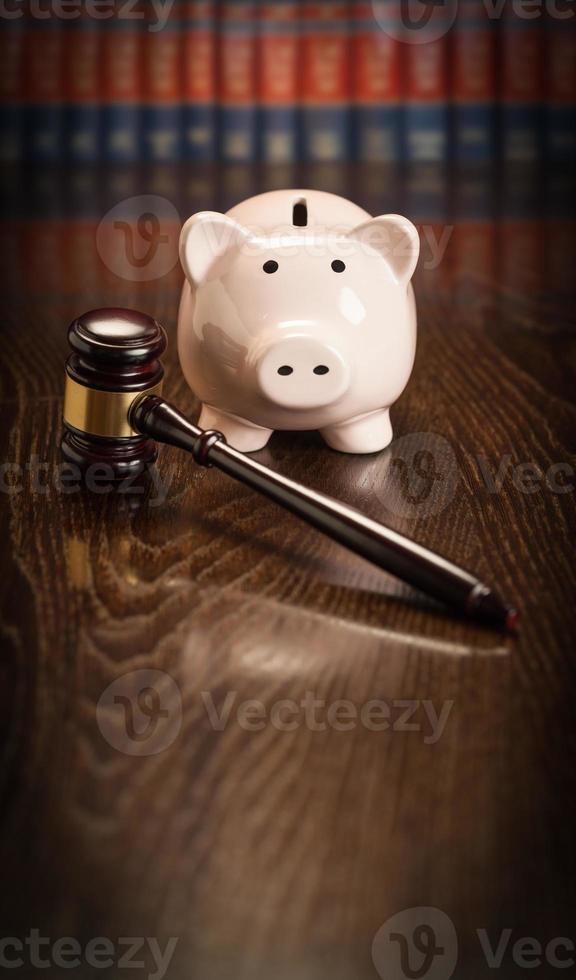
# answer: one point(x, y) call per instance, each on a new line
point(395, 239)
point(206, 238)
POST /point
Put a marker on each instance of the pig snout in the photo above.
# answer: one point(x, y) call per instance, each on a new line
point(301, 372)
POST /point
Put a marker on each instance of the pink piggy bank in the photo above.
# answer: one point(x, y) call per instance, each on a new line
point(297, 313)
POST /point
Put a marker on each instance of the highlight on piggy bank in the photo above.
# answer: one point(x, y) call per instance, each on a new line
point(298, 313)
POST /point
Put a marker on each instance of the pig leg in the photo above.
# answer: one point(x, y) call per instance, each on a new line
point(364, 434)
point(240, 433)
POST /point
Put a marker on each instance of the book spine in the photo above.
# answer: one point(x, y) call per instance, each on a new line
point(278, 80)
point(120, 245)
point(522, 238)
point(522, 87)
point(560, 214)
point(427, 203)
point(12, 230)
point(237, 82)
point(11, 79)
point(43, 87)
point(474, 239)
point(426, 136)
point(376, 87)
point(81, 79)
point(122, 87)
point(81, 210)
point(45, 273)
point(161, 111)
point(198, 79)
point(325, 66)
point(560, 113)
point(474, 84)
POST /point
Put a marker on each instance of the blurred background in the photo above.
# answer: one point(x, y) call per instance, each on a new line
point(286, 80)
point(120, 118)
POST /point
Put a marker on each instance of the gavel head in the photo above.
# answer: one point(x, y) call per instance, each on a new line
point(114, 361)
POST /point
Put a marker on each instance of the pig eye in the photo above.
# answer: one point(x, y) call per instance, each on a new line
point(270, 266)
point(338, 265)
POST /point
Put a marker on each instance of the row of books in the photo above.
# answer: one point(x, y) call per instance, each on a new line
point(82, 230)
point(285, 80)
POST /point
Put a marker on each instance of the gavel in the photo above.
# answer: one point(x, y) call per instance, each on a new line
point(114, 414)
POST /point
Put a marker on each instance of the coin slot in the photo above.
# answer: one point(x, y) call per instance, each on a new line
point(300, 214)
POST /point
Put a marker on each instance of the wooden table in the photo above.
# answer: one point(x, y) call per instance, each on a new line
point(276, 840)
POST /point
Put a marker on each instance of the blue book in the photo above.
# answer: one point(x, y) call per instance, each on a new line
point(474, 133)
point(162, 131)
point(561, 133)
point(426, 136)
point(11, 149)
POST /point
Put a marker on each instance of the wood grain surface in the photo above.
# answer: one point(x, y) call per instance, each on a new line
point(274, 853)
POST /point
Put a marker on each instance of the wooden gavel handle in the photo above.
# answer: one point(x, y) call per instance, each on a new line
point(416, 565)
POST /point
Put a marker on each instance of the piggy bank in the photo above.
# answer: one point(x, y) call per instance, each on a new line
point(297, 313)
